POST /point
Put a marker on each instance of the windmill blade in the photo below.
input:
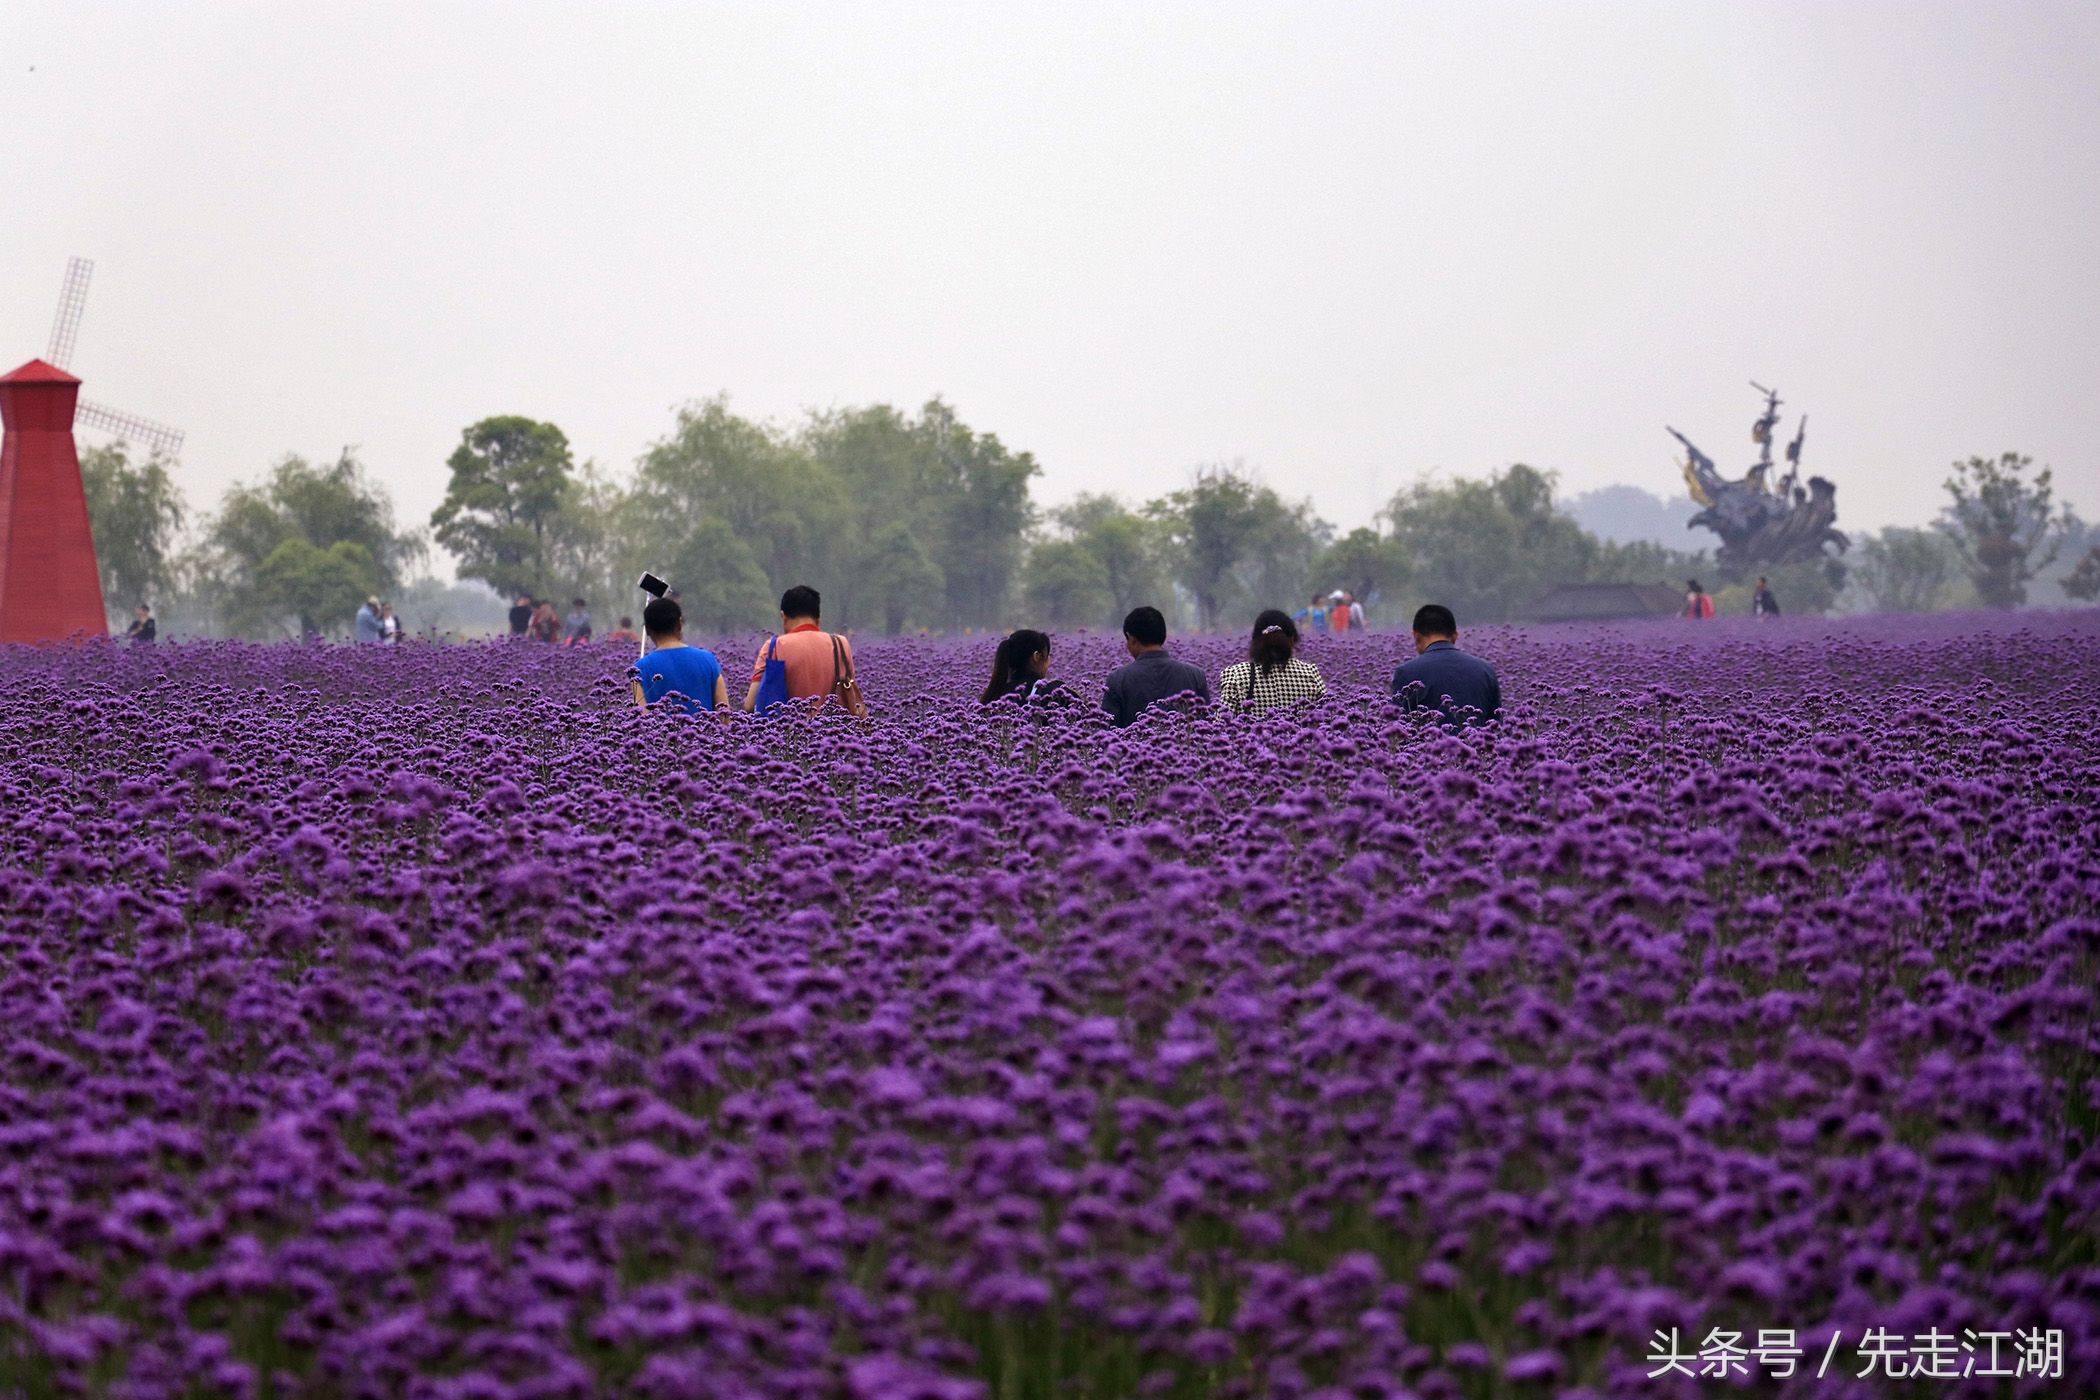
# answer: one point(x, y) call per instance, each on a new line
point(72, 304)
point(143, 432)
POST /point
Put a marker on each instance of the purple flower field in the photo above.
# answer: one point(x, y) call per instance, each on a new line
point(429, 1022)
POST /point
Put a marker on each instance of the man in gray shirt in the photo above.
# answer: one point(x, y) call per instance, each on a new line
point(1152, 675)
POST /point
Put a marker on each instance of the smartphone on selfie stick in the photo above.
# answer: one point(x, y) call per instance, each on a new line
point(656, 588)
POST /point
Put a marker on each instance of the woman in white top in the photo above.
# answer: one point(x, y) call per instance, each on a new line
point(1272, 676)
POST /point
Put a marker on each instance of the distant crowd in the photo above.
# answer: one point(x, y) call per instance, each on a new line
point(802, 665)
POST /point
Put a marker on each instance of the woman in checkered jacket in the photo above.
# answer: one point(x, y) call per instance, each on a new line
point(1272, 676)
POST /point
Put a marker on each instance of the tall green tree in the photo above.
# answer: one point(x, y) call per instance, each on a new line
point(963, 496)
point(787, 508)
point(1371, 565)
point(1212, 528)
point(1127, 546)
point(1487, 549)
point(2005, 525)
point(319, 586)
point(1904, 570)
point(987, 514)
point(136, 511)
point(1066, 585)
point(321, 504)
point(884, 471)
point(721, 587)
point(510, 478)
point(2083, 582)
point(901, 580)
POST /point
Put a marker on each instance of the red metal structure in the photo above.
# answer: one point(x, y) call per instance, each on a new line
point(50, 588)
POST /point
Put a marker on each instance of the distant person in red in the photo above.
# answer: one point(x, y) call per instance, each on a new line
point(1698, 603)
point(546, 623)
point(623, 635)
point(1338, 618)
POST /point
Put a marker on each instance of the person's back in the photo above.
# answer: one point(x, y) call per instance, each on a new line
point(1272, 676)
point(367, 621)
point(577, 627)
point(817, 664)
point(689, 677)
point(520, 615)
point(1443, 678)
point(1151, 675)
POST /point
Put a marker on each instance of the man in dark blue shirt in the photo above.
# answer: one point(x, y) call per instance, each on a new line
point(1152, 675)
point(1441, 677)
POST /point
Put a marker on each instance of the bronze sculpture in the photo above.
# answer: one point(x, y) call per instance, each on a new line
point(1763, 521)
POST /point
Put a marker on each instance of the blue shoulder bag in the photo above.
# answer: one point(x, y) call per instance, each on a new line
point(773, 681)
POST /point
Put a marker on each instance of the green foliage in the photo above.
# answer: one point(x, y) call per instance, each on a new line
point(2083, 582)
point(1807, 586)
point(1232, 542)
point(1067, 585)
point(985, 512)
point(318, 585)
point(510, 476)
point(900, 581)
point(321, 506)
point(960, 495)
point(1645, 561)
point(720, 584)
point(789, 511)
point(2004, 526)
point(1128, 547)
point(1487, 549)
point(135, 510)
point(1902, 570)
point(1364, 562)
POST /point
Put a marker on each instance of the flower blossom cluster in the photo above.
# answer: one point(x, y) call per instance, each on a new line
point(430, 1022)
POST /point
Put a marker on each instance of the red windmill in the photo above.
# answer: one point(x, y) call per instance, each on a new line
point(50, 588)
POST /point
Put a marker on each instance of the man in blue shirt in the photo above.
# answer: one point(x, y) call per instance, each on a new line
point(1443, 678)
point(1152, 675)
point(690, 676)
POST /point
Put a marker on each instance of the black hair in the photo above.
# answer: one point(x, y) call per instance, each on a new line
point(800, 601)
point(578, 603)
point(1010, 669)
point(662, 617)
point(1146, 627)
point(1275, 638)
point(627, 622)
point(1693, 584)
point(1435, 620)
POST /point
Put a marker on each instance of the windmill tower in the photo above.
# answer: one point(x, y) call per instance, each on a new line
point(50, 588)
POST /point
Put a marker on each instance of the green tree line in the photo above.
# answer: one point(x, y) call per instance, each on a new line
point(910, 521)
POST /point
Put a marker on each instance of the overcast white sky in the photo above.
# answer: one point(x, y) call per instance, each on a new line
point(1347, 243)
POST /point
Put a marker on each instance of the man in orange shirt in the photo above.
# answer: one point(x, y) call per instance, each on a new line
point(819, 664)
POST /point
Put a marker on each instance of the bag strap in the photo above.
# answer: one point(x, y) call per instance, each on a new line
point(841, 673)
